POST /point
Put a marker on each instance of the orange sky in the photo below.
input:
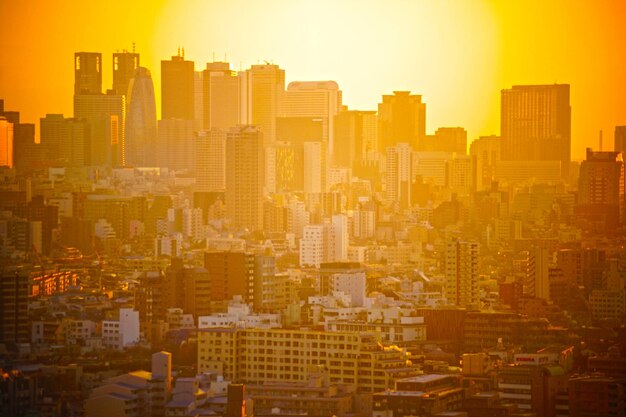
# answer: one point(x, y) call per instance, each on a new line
point(458, 54)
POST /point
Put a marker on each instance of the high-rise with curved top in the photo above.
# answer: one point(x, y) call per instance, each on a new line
point(141, 123)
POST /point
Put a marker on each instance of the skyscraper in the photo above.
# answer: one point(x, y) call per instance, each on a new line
point(536, 124)
point(620, 139)
point(177, 88)
point(263, 87)
point(141, 124)
point(210, 160)
point(6, 142)
point(104, 113)
point(124, 65)
point(398, 176)
point(221, 96)
point(601, 188)
point(244, 177)
point(316, 99)
point(63, 139)
point(461, 287)
point(176, 148)
point(355, 138)
point(87, 73)
point(401, 118)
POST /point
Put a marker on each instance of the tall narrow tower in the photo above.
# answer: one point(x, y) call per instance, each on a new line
point(177, 88)
point(245, 177)
point(536, 124)
point(87, 73)
point(141, 123)
point(263, 89)
point(462, 273)
point(124, 66)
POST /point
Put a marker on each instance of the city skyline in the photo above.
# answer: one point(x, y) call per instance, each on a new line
point(472, 51)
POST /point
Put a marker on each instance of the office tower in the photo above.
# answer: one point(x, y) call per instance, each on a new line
point(355, 138)
point(211, 160)
point(87, 73)
point(124, 65)
point(25, 152)
point(537, 282)
point(198, 100)
point(314, 167)
point(536, 124)
point(601, 188)
point(485, 153)
point(460, 174)
point(291, 134)
point(620, 139)
point(231, 274)
point(262, 88)
point(449, 139)
point(222, 96)
point(176, 144)
point(104, 114)
point(63, 139)
point(315, 99)
point(245, 177)
point(177, 88)
point(401, 118)
point(6, 142)
point(461, 268)
point(340, 237)
point(399, 174)
point(14, 292)
point(140, 138)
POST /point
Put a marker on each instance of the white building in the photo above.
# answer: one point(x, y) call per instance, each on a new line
point(123, 332)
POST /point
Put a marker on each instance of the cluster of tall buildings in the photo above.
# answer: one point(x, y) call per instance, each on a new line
point(269, 235)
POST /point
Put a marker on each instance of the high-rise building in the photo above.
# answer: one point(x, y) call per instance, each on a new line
point(314, 167)
point(14, 286)
point(24, 151)
point(87, 73)
point(536, 124)
point(104, 114)
point(485, 152)
point(262, 88)
point(221, 96)
point(198, 100)
point(461, 268)
point(398, 175)
point(601, 188)
point(140, 137)
point(230, 274)
point(450, 139)
point(355, 139)
point(63, 139)
point(245, 177)
point(620, 139)
point(6, 142)
point(176, 144)
point(401, 119)
point(211, 160)
point(124, 65)
point(177, 88)
point(537, 284)
point(315, 99)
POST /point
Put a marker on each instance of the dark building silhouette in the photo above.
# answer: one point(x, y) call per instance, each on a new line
point(536, 124)
point(87, 73)
point(620, 139)
point(601, 188)
point(177, 88)
point(401, 119)
point(141, 124)
point(124, 66)
point(14, 325)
